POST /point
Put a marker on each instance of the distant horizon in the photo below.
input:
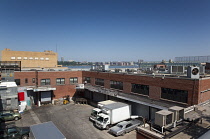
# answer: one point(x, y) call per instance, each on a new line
point(98, 30)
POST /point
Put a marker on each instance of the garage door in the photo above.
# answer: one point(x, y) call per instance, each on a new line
point(45, 96)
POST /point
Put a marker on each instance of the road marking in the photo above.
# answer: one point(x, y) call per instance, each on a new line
point(34, 116)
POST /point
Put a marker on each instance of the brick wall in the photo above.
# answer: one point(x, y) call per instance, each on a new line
point(194, 87)
point(204, 86)
point(61, 90)
point(155, 83)
point(155, 92)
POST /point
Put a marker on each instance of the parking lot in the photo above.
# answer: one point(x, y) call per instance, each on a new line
point(72, 120)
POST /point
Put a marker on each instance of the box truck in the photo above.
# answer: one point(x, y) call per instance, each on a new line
point(96, 111)
point(113, 114)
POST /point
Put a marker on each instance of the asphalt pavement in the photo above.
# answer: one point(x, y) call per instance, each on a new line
point(72, 120)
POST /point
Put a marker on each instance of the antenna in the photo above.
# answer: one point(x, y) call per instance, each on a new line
point(56, 48)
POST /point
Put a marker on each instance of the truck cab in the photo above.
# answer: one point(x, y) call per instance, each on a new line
point(103, 121)
point(95, 112)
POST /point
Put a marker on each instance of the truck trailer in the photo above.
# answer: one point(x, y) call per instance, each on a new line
point(96, 111)
point(113, 114)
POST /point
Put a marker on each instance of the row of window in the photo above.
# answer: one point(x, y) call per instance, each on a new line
point(174, 94)
point(166, 93)
point(30, 58)
point(59, 81)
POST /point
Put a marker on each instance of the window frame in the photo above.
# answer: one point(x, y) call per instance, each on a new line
point(46, 81)
point(88, 79)
point(33, 80)
point(59, 81)
point(116, 85)
point(74, 80)
point(140, 89)
point(99, 81)
point(174, 95)
point(26, 80)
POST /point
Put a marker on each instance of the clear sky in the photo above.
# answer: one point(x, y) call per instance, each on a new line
point(107, 30)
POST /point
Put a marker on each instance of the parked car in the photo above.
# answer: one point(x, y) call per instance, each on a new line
point(9, 115)
point(124, 127)
point(15, 132)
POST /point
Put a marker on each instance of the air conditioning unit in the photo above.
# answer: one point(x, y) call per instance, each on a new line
point(193, 72)
point(178, 113)
point(164, 118)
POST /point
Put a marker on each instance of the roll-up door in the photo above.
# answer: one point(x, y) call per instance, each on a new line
point(45, 96)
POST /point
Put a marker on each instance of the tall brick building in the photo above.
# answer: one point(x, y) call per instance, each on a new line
point(146, 93)
point(46, 59)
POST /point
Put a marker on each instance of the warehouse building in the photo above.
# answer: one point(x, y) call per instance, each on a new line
point(30, 60)
point(146, 93)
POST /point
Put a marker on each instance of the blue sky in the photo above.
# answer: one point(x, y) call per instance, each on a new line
point(107, 30)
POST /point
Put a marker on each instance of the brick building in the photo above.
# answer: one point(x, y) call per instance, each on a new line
point(46, 59)
point(46, 86)
point(146, 93)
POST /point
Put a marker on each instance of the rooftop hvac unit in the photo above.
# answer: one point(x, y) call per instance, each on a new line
point(176, 69)
point(178, 112)
point(193, 72)
point(164, 118)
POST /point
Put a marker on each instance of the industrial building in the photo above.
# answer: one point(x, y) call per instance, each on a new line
point(30, 60)
point(146, 93)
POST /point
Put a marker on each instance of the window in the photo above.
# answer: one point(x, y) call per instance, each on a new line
point(26, 80)
point(73, 80)
point(41, 58)
point(45, 81)
point(19, 58)
point(128, 125)
point(174, 94)
point(116, 85)
point(12, 131)
point(33, 80)
point(87, 79)
point(46, 58)
point(99, 82)
point(8, 101)
point(60, 81)
point(25, 58)
point(140, 89)
point(12, 58)
point(17, 81)
point(31, 58)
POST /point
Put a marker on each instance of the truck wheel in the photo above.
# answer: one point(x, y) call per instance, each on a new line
point(25, 137)
point(16, 118)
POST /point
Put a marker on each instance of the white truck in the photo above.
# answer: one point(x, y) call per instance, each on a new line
point(96, 111)
point(113, 114)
